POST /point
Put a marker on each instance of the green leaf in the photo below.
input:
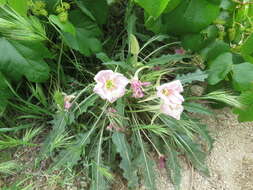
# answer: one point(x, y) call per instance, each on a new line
point(197, 108)
point(214, 49)
point(190, 17)
point(72, 154)
point(64, 26)
point(153, 8)
point(24, 59)
point(219, 68)
point(98, 176)
point(85, 104)
point(87, 35)
point(193, 42)
point(173, 166)
point(5, 93)
point(172, 5)
point(2, 2)
point(246, 49)
point(123, 148)
point(167, 59)
point(92, 8)
point(134, 44)
point(59, 124)
point(245, 113)
point(193, 152)
point(198, 75)
point(243, 76)
point(20, 6)
point(147, 166)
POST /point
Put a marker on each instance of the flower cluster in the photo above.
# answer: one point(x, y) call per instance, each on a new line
point(112, 85)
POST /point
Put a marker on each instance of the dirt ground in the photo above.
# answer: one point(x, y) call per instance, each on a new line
point(230, 162)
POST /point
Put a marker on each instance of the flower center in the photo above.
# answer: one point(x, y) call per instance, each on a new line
point(109, 84)
point(166, 92)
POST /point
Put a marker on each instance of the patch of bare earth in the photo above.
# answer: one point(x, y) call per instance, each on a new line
point(230, 161)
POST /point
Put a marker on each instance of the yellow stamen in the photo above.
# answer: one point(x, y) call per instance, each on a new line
point(109, 84)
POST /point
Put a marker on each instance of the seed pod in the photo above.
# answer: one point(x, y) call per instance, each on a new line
point(63, 16)
point(231, 34)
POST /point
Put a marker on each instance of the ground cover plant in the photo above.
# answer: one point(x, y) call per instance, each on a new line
point(107, 88)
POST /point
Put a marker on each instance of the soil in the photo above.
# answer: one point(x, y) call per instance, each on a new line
point(230, 161)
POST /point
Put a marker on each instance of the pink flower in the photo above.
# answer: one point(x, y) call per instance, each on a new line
point(173, 110)
point(180, 51)
point(67, 101)
point(110, 85)
point(136, 86)
point(170, 92)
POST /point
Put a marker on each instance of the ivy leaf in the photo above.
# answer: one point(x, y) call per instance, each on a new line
point(153, 8)
point(243, 76)
point(219, 68)
point(245, 113)
point(198, 75)
point(25, 59)
point(190, 17)
point(87, 35)
point(92, 8)
point(123, 148)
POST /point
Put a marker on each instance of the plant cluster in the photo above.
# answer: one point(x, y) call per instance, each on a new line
point(106, 87)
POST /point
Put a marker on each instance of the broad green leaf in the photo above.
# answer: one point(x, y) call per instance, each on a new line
point(246, 49)
point(64, 26)
point(123, 148)
point(24, 58)
point(243, 76)
point(153, 8)
point(219, 68)
point(245, 113)
point(198, 75)
point(172, 5)
point(197, 108)
point(190, 17)
point(2, 2)
point(20, 6)
point(193, 42)
point(97, 9)
point(214, 49)
point(87, 35)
